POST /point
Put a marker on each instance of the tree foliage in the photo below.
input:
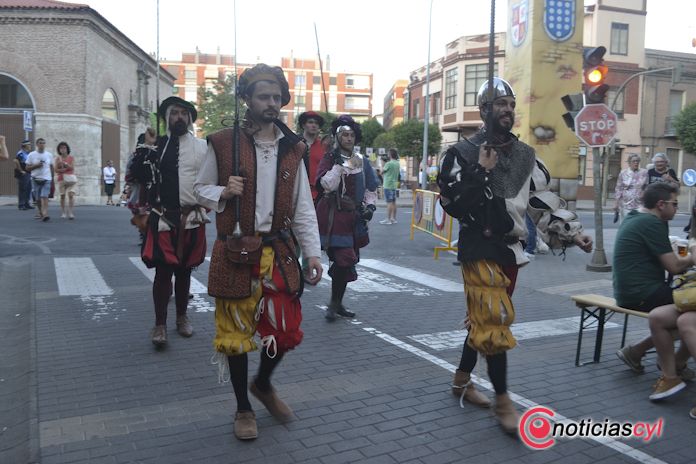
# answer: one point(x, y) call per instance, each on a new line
point(370, 130)
point(685, 125)
point(408, 137)
point(384, 140)
point(217, 105)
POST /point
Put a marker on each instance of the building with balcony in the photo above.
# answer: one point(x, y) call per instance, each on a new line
point(338, 92)
point(394, 105)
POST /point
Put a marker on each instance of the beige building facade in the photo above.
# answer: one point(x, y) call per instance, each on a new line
point(84, 83)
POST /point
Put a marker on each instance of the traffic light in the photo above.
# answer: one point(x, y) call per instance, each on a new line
point(595, 73)
point(573, 103)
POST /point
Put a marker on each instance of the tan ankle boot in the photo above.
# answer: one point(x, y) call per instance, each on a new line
point(506, 413)
point(463, 387)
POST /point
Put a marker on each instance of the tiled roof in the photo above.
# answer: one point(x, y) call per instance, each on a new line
point(41, 4)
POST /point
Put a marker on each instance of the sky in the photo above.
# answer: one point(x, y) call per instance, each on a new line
point(388, 38)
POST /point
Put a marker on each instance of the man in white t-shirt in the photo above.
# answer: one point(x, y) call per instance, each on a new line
point(40, 164)
point(109, 181)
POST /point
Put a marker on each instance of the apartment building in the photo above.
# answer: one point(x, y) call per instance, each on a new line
point(310, 88)
point(394, 104)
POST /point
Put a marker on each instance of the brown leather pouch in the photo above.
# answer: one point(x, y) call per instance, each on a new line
point(243, 250)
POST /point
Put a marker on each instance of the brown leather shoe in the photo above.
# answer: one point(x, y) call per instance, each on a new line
point(183, 326)
point(464, 388)
point(275, 405)
point(159, 335)
point(245, 425)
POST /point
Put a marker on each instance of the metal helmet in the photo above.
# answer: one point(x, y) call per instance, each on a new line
point(501, 88)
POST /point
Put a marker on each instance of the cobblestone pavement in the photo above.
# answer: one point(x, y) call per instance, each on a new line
point(80, 381)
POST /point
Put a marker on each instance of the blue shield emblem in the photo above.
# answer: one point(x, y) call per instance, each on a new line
point(519, 23)
point(559, 19)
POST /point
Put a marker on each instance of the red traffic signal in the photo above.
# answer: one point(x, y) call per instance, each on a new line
point(595, 73)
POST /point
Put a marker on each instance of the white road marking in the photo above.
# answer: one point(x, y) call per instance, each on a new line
point(196, 286)
point(79, 277)
point(612, 443)
point(569, 289)
point(522, 331)
point(413, 276)
point(198, 303)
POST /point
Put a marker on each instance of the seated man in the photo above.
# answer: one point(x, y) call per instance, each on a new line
point(642, 254)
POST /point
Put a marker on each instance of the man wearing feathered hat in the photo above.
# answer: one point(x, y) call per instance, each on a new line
point(489, 182)
point(175, 236)
point(310, 123)
point(262, 208)
point(347, 186)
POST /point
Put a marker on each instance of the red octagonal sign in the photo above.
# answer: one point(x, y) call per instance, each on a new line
point(595, 125)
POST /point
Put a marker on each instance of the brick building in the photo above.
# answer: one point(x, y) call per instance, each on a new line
point(346, 92)
point(84, 82)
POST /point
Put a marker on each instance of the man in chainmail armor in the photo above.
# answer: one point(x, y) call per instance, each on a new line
point(489, 182)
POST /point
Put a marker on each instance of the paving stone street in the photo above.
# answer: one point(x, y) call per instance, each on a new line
point(80, 381)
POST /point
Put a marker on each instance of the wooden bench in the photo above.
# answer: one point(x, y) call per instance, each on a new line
point(594, 308)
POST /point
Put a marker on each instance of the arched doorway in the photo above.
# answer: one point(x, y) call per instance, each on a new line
point(14, 100)
point(111, 135)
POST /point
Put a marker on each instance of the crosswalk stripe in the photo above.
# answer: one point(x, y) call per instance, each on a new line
point(413, 276)
point(79, 277)
point(569, 289)
point(196, 286)
point(365, 283)
point(522, 331)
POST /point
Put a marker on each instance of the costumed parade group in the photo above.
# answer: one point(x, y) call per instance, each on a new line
point(281, 198)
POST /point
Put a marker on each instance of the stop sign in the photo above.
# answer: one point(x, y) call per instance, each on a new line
point(595, 125)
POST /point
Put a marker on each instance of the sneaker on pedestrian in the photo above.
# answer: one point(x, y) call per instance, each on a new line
point(45, 218)
point(692, 413)
point(385, 221)
point(530, 256)
point(625, 354)
point(63, 216)
point(245, 425)
point(394, 221)
point(666, 387)
point(684, 372)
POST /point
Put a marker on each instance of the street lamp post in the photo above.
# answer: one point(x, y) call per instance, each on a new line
point(422, 179)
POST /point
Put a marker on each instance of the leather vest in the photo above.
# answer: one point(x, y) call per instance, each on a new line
point(233, 281)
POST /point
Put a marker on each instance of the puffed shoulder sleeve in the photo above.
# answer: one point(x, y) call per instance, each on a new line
point(462, 184)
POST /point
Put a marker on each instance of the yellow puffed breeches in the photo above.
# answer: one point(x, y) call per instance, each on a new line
point(235, 320)
point(489, 307)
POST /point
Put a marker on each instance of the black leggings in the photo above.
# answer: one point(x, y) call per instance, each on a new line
point(497, 366)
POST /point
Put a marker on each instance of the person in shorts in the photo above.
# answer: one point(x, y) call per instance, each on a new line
point(390, 175)
point(642, 254)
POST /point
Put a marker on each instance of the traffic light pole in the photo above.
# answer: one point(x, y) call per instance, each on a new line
point(599, 258)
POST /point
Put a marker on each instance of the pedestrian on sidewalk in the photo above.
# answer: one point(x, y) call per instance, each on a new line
point(4, 154)
point(390, 174)
point(175, 234)
point(40, 164)
point(489, 182)
point(254, 272)
point(347, 187)
point(629, 186)
point(642, 254)
point(109, 175)
point(67, 180)
point(23, 176)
